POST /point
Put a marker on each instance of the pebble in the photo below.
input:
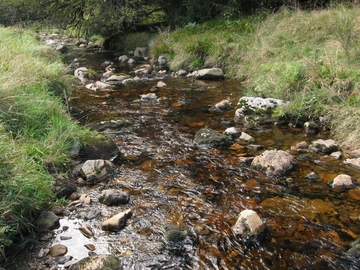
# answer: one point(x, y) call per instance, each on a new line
point(58, 250)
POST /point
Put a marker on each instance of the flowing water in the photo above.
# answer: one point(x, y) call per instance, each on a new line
point(201, 191)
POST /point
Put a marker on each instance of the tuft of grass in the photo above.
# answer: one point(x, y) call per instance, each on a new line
point(36, 133)
point(308, 58)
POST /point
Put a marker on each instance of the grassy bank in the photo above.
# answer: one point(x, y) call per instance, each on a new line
point(36, 133)
point(310, 58)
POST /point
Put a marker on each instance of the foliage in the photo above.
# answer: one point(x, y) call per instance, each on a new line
point(36, 133)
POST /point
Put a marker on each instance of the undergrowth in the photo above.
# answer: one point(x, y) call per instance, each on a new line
point(36, 133)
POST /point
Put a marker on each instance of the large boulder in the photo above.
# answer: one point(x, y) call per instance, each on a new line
point(94, 171)
point(273, 162)
point(207, 137)
point(248, 224)
point(255, 106)
point(208, 74)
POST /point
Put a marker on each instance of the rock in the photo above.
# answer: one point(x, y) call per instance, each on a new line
point(160, 84)
point(325, 146)
point(94, 171)
point(311, 128)
point(246, 137)
point(355, 249)
point(131, 61)
point(85, 199)
point(232, 132)
point(342, 181)
point(104, 148)
point(354, 194)
point(174, 234)
point(117, 78)
point(64, 188)
point(181, 73)
point(162, 60)
point(148, 97)
point(123, 58)
point(58, 250)
point(248, 224)
point(336, 155)
point(210, 138)
point(263, 107)
point(62, 49)
point(353, 162)
point(47, 221)
point(273, 162)
point(208, 74)
point(140, 51)
point(86, 231)
point(117, 222)
point(98, 262)
point(113, 197)
point(224, 105)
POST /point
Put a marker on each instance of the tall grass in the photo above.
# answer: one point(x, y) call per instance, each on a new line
point(36, 133)
point(310, 58)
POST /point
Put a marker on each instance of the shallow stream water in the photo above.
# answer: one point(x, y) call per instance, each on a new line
point(171, 181)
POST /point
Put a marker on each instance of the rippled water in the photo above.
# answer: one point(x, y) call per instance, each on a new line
point(202, 191)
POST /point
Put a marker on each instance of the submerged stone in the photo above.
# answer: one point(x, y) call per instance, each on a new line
point(211, 138)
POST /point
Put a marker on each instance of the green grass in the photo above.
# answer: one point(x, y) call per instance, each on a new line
point(309, 58)
point(36, 133)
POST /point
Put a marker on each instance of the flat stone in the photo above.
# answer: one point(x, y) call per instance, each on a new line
point(117, 222)
point(58, 250)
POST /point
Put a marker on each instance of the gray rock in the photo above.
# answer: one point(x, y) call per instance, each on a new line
point(117, 222)
point(162, 60)
point(353, 162)
point(148, 97)
point(123, 58)
point(342, 181)
point(113, 197)
point(246, 137)
point(98, 262)
point(62, 49)
point(208, 74)
point(273, 162)
point(325, 146)
point(94, 171)
point(256, 106)
point(224, 105)
point(47, 221)
point(210, 138)
point(117, 78)
point(248, 224)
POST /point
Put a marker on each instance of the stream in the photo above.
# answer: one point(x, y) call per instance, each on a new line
point(173, 182)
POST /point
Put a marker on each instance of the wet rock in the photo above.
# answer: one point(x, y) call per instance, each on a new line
point(354, 194)
point(342, 181)
point(148, 97)
point(224, 105)
point(64, 188)
point(90, 247)
point(117, 222)
point(248, 224)
point(210, 138)
point(301, 145)
point(174, 234)
point(273, 162)
point(47, 221)
point(181, 73)
point(262, 107)
point(58, 250)
point(104, 148)
point(208, 74)
point(232, 132)
point(325, 146)
point(246, 137)
point(82, 74)
point(97, 86)
point(113, 197)
point(353, 162)
point(94, 171)
point(355, 249)
point(312, 177)
point(311, 128)
point(162, 60)
point(98, 262)
point(86, 231)
point(336, 155)
point(93, 213)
